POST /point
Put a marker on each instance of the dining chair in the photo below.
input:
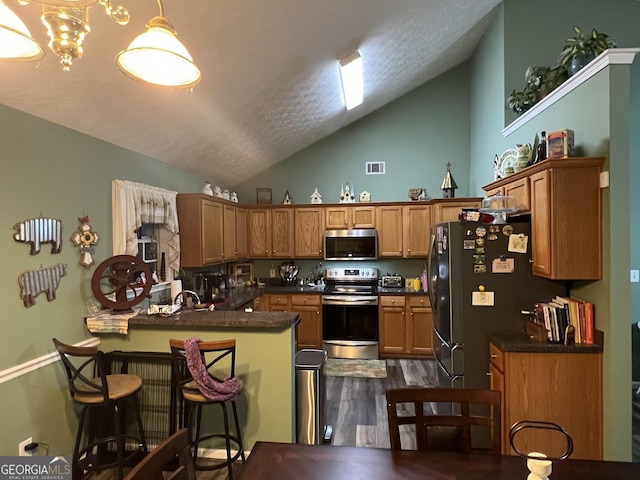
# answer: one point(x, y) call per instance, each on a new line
point(103, 397)
point(214, 364)
point(173, 455)
point(470, 421)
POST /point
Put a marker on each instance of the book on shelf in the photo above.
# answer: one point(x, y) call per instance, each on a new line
point(563, 312)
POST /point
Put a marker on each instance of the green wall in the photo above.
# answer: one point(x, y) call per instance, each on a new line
point(416, 136)
point(52, 171)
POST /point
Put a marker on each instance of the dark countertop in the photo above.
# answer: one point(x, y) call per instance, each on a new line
point(228, 319)
point(520, 342)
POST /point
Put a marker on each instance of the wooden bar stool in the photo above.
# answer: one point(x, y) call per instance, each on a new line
point(99, 393)
point(214, 363)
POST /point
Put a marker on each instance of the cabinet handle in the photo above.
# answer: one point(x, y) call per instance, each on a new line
point(305, 300)
point(493, 355)
point(409, 250)
point(488, 374)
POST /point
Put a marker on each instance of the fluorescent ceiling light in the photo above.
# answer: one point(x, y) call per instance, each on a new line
point(351, 72)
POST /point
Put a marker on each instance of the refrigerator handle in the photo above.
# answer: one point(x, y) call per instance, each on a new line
point(432, 276)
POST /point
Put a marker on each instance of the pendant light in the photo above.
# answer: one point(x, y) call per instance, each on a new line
point(157, 57)
point(16, 42)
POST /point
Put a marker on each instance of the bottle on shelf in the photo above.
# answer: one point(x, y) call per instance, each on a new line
point(541, 153)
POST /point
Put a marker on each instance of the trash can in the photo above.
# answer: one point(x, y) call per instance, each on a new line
point(310, 397)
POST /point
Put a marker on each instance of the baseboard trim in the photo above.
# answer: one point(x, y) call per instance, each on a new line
point(33, 365)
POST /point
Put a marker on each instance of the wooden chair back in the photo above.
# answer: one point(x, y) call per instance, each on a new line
point(471, 412)
point(173, 455)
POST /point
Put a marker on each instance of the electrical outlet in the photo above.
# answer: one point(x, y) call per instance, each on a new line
point(21, 451)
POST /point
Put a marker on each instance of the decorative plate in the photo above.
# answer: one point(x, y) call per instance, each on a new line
point(507, 159)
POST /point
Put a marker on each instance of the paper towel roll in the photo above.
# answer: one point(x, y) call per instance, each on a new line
point(176, 288)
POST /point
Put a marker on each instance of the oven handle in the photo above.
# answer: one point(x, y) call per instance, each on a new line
point(348, 301)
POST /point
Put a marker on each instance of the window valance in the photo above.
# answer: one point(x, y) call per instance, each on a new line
point(136, 203)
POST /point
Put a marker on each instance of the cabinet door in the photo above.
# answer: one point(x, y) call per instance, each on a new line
point(389, 221)
point(337, 217)
point(309, 227)
point(448, 211)
point(519, 190)
point(212, 228)
point(419, 325)
point(363, 217)
point(260, 233)
point(496, 382)
point(392, 324)
point(282, 232)
point(230, 252)
point(241, 233)
point(541, 231)
point(416, 226)
point(279, 303)
point(309, 329)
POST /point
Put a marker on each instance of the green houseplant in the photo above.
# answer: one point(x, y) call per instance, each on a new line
point(582, 48)
point(540, 81)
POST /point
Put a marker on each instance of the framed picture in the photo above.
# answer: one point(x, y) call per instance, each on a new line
point(150, 251)
point(263, 195)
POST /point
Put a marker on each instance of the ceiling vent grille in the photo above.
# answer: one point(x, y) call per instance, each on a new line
point(374, 168)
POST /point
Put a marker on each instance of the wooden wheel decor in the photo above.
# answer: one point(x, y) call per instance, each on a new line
point(119, 275)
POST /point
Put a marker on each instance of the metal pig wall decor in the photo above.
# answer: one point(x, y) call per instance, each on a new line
point(34, 282)
point(37, 231)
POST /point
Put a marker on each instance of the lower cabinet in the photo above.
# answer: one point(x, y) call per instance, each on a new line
point(563, 388)
point(405, 325)
point(308, 306)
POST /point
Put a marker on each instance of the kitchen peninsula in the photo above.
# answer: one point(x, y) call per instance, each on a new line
point(265, 359)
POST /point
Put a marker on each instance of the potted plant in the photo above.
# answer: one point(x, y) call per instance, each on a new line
point(521, 101)
point(543, 80)
point(582, 48)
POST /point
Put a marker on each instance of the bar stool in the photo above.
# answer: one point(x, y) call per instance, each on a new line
point(199, 386)
point(98, 393)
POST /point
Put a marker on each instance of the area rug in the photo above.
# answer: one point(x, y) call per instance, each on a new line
point(347, 367)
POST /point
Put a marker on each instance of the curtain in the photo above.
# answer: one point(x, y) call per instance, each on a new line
point(136, 203)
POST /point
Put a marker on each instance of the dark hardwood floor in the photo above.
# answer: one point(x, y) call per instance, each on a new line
point(356, 407)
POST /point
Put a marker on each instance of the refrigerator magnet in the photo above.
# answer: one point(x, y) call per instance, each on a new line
point(502, 265)
point(518, 243)
point(482, 299)
point(469, 244)
point(481, 269)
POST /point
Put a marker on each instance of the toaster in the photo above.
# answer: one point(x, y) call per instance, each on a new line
point(392, 281)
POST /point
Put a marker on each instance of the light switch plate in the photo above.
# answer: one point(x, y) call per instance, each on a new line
point(634, 276)
point(604, 179)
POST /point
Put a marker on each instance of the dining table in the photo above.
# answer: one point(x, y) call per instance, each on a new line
point(290, 461)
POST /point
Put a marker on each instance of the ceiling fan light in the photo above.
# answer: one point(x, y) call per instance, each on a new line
point(16, 42)
point(158, 57)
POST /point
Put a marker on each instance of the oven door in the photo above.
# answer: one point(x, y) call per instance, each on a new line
point(350, 326)
point(450, 361)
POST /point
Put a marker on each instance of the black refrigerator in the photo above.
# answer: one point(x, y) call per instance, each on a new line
point(480, 281)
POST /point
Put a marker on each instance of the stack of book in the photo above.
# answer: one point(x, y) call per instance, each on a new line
point(567, 319)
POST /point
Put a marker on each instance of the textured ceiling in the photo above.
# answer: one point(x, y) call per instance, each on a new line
point(271, 83)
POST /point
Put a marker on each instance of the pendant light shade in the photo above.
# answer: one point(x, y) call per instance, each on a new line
point(157, 57)
point(15, 39)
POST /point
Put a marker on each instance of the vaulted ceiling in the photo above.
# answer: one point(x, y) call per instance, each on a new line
point(271, 83)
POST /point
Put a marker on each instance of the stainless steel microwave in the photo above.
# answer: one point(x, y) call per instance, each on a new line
point(357, 244)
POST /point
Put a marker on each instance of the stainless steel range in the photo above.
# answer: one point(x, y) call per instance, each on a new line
point(350, 312)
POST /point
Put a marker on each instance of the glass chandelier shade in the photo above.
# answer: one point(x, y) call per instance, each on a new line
point(15, 39)
point(157, 57)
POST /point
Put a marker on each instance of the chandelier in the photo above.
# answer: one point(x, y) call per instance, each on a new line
point(155, 57)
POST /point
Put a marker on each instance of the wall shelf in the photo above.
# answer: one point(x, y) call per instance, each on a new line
point(613, 56)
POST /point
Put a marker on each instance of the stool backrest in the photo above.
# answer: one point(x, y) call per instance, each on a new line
point(474, 413)
point(85, 370)
point(219, 358)
point(163, 457)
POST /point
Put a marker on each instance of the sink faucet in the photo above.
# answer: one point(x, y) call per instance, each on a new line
point(190, 292)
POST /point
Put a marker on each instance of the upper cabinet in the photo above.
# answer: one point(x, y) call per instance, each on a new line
point(309, 229)
point(448, 209)
point(343, 216)
point(271, 232)
point(416, 223)
point(389, 221)
point(566, 218)
point(200, 219)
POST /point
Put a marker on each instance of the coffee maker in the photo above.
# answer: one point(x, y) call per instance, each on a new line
point(207, 284)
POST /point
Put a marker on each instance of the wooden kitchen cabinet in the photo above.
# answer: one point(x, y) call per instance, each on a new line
point(566, 218)
point(339, 216)
point(416, 231)
point(389, 221)
point(229, 230)
point(448, 209)
point(242, 250)
point(309, 230)
point(279, 302)
point(392, 322)
point(419, 325)
point(200, 219)
point(309, 329)
point(271, 233)
point(559, 387)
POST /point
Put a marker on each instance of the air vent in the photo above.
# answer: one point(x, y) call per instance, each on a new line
point(374, 168)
